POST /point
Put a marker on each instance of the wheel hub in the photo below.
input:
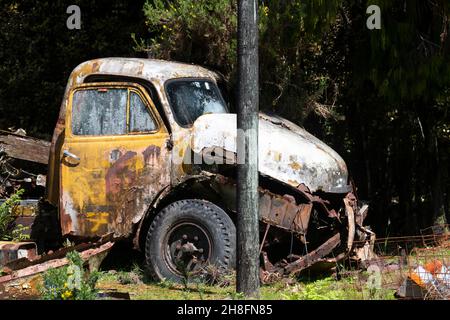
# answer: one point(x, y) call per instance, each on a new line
point(188, 248)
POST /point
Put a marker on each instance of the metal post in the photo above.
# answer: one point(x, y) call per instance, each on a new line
point(247, 276)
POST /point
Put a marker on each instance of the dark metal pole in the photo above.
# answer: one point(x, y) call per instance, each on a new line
point(247, 276)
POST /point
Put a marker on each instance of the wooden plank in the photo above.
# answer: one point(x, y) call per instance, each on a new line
point(24, 148)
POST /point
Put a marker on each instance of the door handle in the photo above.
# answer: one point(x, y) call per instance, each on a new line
point(70, 155)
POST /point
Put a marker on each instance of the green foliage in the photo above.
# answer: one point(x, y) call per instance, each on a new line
point(407, 59)
point(331, 289)
point(205, 32)
point(317, 290)
point(70, 282)
point(199, 31)
point(166, 284)
point(8, 230)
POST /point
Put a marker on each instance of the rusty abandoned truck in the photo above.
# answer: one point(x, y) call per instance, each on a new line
point(124, 165)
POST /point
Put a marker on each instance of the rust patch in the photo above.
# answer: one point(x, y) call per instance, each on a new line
point(150, 154)
point(132, 187)
point(279, 211)
point(295, 165)
point(284, 212)
point(95, 66)
point(120, 175)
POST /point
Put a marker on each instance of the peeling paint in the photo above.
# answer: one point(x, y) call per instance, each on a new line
point(118, 177)
point(315, 164)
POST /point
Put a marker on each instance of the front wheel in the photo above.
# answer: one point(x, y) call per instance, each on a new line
point(186, 236)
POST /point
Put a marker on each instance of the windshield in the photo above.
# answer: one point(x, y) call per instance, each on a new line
point(189, 99)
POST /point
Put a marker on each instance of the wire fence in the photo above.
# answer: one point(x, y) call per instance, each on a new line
point(415, 267)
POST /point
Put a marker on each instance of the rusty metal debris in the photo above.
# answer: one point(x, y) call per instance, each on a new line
point(23, 163)
point(409, 267)
point(293, 214)
point(314, 256)
point(39, 264)
point(16, 250)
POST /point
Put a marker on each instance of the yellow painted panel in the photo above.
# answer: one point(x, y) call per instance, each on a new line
point(115, 180)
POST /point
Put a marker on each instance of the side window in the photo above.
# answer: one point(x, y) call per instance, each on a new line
point(140, 118)
point(99, 111)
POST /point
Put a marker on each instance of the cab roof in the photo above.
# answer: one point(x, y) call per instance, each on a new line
point(150, 69)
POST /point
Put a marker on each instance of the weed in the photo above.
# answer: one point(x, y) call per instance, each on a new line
point(129, 277)
point(68, 244)
point(166, 284)
point(215, 275)
point(324, 289)
point(9, 231)
point(70, 282)
point(237, 296)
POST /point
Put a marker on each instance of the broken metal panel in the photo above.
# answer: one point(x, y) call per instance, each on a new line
point(284, 213)
point(279, 211)
point(287, 213)
point(287, 152)
point(16, 250)
point(313, 257)
point(351, 223)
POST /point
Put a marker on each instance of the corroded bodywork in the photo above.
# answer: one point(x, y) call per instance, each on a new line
point(118, 177)
point(107, 184)
point(286, 152)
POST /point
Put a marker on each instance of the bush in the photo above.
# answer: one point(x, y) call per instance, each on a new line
point(294, 41)
point(9, 231)
point(70, 282)
point(200, 31)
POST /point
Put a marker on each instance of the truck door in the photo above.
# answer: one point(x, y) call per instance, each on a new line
point(114, 159)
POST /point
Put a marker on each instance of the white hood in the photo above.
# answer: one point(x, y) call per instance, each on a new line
point(287, 152)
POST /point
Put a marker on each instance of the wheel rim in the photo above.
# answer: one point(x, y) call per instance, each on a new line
point(187, 247)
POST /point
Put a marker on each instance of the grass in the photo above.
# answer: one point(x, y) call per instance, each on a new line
point(322, 289)
point(134, 282)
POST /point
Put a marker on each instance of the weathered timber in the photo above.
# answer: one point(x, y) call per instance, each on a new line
point(24, 148)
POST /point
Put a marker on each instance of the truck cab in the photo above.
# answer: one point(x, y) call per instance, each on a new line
point(146, 150)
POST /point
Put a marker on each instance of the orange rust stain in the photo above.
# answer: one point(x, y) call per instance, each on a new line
point(295, 165)
point(95, 66)
point(294, 183)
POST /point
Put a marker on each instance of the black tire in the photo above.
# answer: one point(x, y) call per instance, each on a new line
point(179, 226)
